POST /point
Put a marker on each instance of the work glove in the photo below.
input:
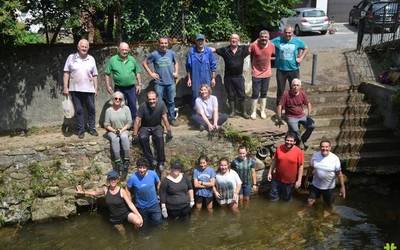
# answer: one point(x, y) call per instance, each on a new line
point(191, 203)
point(164, 211)
point(279, 122)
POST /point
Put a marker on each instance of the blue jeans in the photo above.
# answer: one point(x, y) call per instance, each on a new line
point(167, 93)
point(198, 119)
point(293, 125)
point(280, 191)
point(80, 99)
point(151, 214)
point(260, 87)
point(130, 97)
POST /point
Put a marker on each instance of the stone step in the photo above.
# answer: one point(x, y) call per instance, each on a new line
point(355, 132)
point(377, 158)
point(336, 97)
point(380, 170)
point(346, 120)
point(310, 89)
point(344, 109)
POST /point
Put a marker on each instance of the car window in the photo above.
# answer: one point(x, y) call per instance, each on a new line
point(314, 13)
point(382, 7)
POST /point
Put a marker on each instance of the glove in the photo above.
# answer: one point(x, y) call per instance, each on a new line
point(279, 121)
point(191, 203)
point(135, 140)
point(164, 211)
point(169, 136)
point(117, 132)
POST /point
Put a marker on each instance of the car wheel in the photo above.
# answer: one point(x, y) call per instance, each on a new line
point(323, 32)
point(297, 30)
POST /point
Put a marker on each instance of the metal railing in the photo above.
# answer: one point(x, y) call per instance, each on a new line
point(379, 26)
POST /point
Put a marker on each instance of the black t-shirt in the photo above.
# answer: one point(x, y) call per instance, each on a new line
point(175, 195)
point(151, 117)
point(234, 62)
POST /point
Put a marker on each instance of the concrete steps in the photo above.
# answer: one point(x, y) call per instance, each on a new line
point(336, 97)
point(349, 109)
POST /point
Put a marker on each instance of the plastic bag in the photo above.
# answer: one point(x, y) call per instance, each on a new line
point(68, 107)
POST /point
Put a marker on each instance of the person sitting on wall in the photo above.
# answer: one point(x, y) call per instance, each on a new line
point(207, 115)
point(118, 203)
point(117, 122)
point(293, 102)
point(148, 123)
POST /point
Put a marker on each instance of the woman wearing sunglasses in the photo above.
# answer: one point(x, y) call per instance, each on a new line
point(117, 121)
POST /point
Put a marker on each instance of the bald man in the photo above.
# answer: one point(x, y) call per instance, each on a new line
point(234, 56)
point(125, 73)
point(80, 81)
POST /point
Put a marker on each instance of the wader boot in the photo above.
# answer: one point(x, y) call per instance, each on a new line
point(262, 108)
point(253, 115)
point(232, 108)
point(243, 110)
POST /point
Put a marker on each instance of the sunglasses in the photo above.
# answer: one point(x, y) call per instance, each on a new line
point(117, 99)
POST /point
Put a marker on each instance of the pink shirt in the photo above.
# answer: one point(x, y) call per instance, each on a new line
point(293, 104)
point(261, 59)
point(81, 73)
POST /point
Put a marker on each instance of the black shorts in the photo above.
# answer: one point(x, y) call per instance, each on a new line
point(115, 220)
point(327, 194)
point(203, 200)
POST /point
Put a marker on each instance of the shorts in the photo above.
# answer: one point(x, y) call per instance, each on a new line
point(245, 190)
point(203, 200)
point(120, 219)
point(327, 195)
point(182, 213)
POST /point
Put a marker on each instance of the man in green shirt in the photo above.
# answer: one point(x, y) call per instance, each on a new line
point(125, 73)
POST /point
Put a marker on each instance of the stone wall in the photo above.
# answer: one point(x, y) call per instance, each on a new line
point(31, 82)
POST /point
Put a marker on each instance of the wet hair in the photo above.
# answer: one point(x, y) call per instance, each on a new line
point(142, 162)
point(117, 94)
point(202, 157)
point(221, 160)
point(324, 139)
point(204, 85)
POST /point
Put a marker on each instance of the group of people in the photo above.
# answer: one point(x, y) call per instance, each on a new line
point(147, 198)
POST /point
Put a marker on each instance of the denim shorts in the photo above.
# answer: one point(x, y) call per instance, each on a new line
point(245, 190)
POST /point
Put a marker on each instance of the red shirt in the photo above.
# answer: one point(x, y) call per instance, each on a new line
point(287, 163)
point(261, 59)
point(293, 104)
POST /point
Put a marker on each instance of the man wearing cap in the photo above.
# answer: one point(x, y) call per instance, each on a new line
point(80, 81)
point(165, 72)
point(145, 184)
point(234, 56)
point(286, 170)
point(293, 102)
point(125, 72)
point(148, 123)
point(201, 66)
point(290, 52)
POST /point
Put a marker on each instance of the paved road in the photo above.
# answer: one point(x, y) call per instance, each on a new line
point(344, 38)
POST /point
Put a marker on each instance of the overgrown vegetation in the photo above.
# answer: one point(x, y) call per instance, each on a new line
point(236, 137)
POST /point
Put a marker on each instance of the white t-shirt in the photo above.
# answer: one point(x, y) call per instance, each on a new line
point(207, 106)
point(81, 73)
point(226, 186)
point(325, 169)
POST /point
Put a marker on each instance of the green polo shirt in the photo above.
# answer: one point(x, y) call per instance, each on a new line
point(123, 72)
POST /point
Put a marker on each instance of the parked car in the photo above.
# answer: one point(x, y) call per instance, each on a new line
point(379, 15)
point(308, 19)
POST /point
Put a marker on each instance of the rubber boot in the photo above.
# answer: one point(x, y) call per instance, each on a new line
point(243, 110)
point(253, 115)
point(232, 108)
point(118, 166)
point(263, 103)
point(124, 171)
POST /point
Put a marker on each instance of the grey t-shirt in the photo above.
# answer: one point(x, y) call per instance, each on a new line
point(118, 118)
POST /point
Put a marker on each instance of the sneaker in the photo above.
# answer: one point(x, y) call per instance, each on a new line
point(174, 123)
point(93, 132)
point(81, 135)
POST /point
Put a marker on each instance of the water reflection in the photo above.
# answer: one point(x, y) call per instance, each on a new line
point(261, 225)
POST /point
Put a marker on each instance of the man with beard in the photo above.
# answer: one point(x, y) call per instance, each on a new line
point(261, 52)
point(286, 170)
point(148, 123)
point(325, 166)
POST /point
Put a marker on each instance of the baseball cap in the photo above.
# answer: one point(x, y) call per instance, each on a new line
point(200, 37)
point(112, 175)
point(176, 165)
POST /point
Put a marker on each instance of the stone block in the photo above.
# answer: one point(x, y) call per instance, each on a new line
point(52, 207)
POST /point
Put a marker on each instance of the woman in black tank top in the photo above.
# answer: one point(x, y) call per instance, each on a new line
point(118, 202)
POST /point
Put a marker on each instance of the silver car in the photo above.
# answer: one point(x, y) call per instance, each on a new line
point(308, 19)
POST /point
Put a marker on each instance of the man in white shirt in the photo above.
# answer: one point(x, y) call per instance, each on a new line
point(80, 81)
point(325, 167)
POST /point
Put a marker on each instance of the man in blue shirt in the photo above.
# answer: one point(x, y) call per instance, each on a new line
point(164, 75)
point(144, 184)
point(201, 66)
point(290, 52)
